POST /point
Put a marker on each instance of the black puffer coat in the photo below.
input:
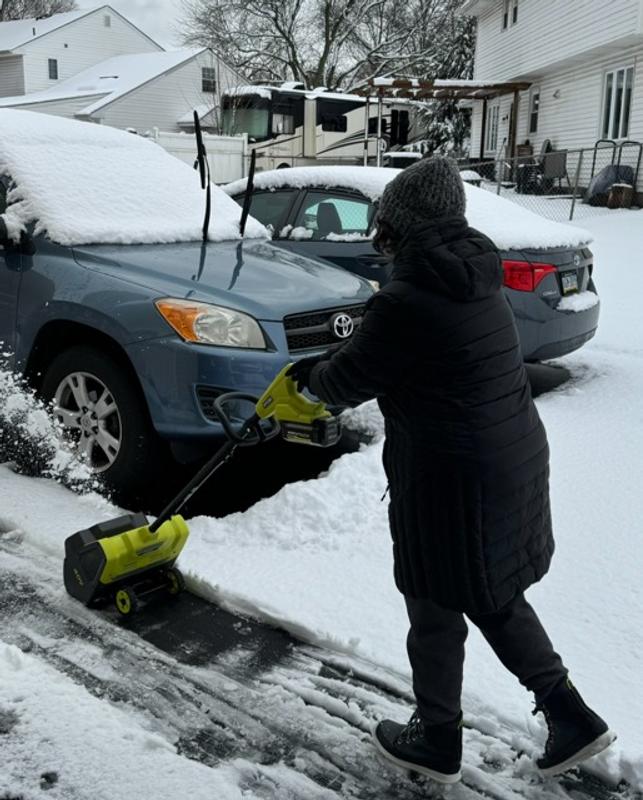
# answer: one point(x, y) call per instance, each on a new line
point(466, 454)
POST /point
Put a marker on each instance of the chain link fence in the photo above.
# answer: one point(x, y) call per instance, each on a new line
point(554, 184)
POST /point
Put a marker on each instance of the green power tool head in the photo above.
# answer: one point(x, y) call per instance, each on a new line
point(302, 420)
point(123, 553)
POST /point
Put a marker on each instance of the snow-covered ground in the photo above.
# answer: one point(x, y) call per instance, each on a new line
point(317, 558)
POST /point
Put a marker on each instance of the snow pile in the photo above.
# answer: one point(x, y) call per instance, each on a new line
point(509, 225)
point(30, 438)
point(88, 184)
point(578, 302)
point(300, 234)
point(348, 237)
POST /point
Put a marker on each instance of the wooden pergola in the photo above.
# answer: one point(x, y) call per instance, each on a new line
point(421, 90)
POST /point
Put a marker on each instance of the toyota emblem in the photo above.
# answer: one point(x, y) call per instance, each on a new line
point(343, 326)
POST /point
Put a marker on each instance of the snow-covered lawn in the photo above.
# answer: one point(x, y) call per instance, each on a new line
point(317, 558)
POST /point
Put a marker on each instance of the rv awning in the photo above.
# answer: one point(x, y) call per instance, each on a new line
point(438, 89)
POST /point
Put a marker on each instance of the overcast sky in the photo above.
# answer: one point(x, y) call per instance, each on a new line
point(158, 18)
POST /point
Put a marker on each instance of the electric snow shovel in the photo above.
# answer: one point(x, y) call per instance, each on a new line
point(126, 559)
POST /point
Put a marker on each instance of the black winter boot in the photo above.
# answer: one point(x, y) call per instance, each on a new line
point(432, 750)
point(575, 731)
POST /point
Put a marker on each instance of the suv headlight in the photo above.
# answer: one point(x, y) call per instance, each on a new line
point(209, 324)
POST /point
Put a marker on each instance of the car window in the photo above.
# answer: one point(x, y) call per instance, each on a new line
point(324, 215)
point(269, 208)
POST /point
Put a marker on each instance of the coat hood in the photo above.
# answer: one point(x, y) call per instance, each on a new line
point(448, 257)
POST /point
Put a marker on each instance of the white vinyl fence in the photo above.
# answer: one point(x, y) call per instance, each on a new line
point(228, 155)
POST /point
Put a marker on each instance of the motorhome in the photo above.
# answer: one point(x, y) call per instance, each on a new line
point(290, 126)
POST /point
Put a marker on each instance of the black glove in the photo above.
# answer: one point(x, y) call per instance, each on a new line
point(300, 370)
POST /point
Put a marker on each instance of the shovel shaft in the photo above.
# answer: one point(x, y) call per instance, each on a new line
point(206, 471)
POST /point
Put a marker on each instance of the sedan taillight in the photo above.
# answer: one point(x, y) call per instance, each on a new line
point(525, 276)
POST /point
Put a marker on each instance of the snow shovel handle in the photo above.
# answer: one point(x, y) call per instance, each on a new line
point(251, 425)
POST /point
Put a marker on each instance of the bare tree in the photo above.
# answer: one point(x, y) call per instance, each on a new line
point(332, 43)
point(33, 9)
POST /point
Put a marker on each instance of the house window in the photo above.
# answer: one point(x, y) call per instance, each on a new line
point(534, 107)
point(491, 134)
point(509, 13)
point(617, 103)
point(209, 80)
point(53, 69)
point(107, 21)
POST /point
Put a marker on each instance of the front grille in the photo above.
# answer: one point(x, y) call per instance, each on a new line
point(314, 329)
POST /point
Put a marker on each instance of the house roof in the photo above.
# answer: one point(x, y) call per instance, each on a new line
point(111, 80)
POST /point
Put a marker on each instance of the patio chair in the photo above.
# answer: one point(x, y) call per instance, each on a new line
point(538, 175)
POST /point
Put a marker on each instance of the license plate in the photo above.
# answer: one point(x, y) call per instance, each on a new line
point(570, 282)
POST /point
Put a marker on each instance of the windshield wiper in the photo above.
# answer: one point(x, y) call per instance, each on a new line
point(204, 171)
point(247, 200)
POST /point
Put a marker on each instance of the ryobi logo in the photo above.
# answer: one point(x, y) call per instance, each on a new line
point(268, 402)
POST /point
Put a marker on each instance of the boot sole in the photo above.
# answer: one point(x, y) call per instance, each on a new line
point(438, 777)
point(592, 749)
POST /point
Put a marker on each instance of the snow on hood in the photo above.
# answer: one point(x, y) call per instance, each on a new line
point(509, 225)
point(83, 183)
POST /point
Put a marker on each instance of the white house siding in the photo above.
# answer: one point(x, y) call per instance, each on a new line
point(80, 45)
point(550, 32)
point(163, 101)
point(11, 76)
point(573, 120)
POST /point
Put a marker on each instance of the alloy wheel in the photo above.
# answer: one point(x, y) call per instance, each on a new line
point(87, 411)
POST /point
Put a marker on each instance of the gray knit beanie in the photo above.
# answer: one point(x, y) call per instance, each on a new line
point(430, 189)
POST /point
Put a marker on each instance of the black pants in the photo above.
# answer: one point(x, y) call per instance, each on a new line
point(436, 652)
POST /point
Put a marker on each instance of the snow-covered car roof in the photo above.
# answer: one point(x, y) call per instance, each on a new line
point(508, 224)
point(84, 183)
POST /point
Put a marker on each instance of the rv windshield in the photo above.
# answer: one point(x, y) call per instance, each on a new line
point(243, 119)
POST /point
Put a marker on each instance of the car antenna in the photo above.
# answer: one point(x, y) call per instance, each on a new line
point(247, 200)
point(204, 171)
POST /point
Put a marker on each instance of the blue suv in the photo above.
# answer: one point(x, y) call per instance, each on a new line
point(132, 342)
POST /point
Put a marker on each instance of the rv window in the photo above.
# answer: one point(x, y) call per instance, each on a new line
point(253, 121)
point(329, 215)
point(372, 126)
point(282, 123)
point(334, 123)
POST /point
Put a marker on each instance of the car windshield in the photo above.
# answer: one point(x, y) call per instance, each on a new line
point(82, 183)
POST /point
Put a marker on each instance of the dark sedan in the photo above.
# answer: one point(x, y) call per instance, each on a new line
point(328, 213)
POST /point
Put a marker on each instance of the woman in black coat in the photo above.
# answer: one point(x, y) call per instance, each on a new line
point(467, 462)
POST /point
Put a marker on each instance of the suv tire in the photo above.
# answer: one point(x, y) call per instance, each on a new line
point(141, 453)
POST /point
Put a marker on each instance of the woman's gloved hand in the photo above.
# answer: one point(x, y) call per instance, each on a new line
point(300, 370)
